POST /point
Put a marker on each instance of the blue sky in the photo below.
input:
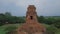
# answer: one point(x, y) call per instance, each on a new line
point(19, 7)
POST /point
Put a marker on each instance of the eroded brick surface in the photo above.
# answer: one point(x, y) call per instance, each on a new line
point(32, 26)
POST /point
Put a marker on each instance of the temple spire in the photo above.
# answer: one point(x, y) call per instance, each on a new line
point(31, 15)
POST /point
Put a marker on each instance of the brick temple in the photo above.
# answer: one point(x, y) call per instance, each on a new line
point(32, 26)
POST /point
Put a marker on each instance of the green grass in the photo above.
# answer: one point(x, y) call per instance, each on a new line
point(9, 27)
point(5, 28)
point(58, 31)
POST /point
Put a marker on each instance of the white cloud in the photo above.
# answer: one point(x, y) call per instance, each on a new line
point(9, 0)
point(6, 2)
point(27, 2)
point(23, 3)
point(44, 7)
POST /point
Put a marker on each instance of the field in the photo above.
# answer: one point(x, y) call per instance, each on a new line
point(9, 27)
point(6, 28)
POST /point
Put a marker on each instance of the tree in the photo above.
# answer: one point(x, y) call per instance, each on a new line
point(49, 21)
point(2, 19)
point(7, 13)
point(41, 19)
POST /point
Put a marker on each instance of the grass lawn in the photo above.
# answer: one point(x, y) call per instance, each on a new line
point(6, 28)
point(9, 27)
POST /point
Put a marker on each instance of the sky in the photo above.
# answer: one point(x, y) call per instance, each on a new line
point(19, 7)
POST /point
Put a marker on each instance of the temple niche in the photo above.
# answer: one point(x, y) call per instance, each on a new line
point(32, 26)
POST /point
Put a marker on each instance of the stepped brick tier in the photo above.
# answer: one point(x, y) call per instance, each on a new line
point(32, 26)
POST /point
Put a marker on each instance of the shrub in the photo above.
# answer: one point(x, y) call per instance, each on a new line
point(51, 30)
point(10, 29)
point(57, 24)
